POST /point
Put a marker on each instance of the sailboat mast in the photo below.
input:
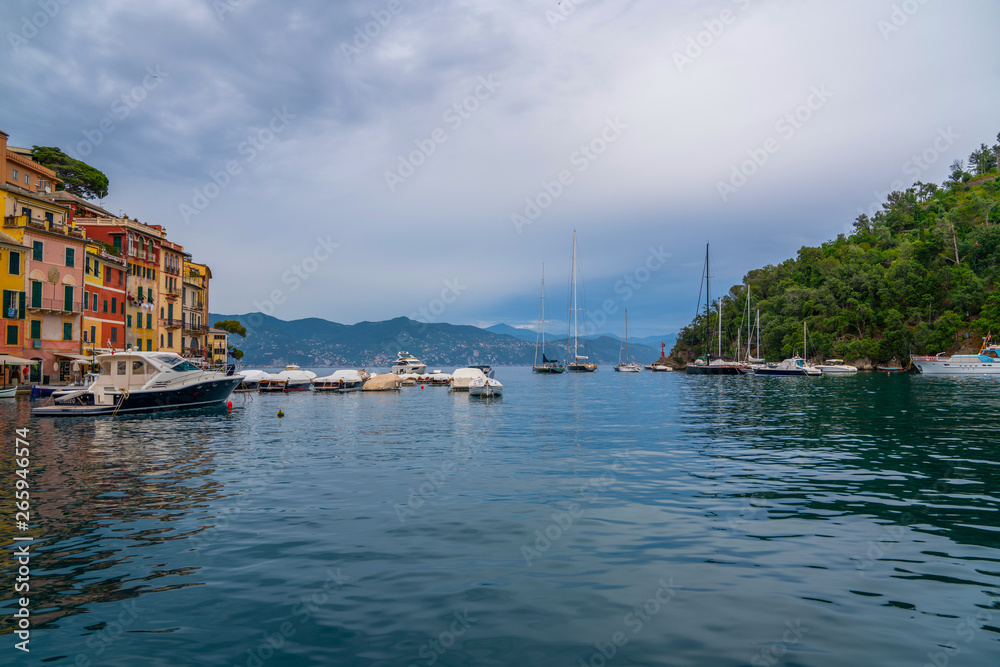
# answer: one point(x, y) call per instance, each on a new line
point(708, 308)
point(720, 328)
point(576, 345)
point(626, 335)
point(758, 333)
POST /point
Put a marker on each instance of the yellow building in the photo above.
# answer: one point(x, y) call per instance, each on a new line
point(218, 345)
point(194, 292)
point(12, 255)
point(170, 305)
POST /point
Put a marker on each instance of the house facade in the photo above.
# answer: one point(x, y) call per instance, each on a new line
point(104, 300)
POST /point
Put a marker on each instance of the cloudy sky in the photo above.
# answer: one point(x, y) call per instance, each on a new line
point(362, 160)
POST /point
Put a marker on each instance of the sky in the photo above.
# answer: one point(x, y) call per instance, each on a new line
point(365, 160)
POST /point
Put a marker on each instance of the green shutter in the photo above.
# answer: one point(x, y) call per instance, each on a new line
point(68, 299)
point(21, 314)
point(67, 331)
point(36, 294)
point(36, 329)
point(12, 334)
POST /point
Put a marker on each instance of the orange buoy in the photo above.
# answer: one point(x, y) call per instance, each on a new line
point(229, 405)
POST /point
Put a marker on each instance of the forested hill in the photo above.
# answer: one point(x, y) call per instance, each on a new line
point(919, 277)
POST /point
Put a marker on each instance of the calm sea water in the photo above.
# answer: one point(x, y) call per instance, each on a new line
point(651, 519)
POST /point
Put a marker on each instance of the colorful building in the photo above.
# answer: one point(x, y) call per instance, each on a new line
point(104, 300)
point(218, 346)
point(195, 299)
point(139, 245)
point(12, 256)
point(170, 305)
point(18, 170)
point(54, 281)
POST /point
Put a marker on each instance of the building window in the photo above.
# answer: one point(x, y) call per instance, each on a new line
point(36, 330)
point(36, 294)
point(67, 331)
point(86, 299)
point(114, 305)
point(86, 267)
point(14, 263)
point(93, 334)
point(70, 256)
point(149, 345)
point(12, 334)
point(36, 251)
point(116, 242)
point(170, 339)
point(120, 274)
point(106, 306)
point(27, 179)
point(14, 173)
point(114, 334)
point(48, 220)
point(129, 320)
point(68, 297)
point(85, 337)
point(149, 320)
point(94, 308)
point(161, 340)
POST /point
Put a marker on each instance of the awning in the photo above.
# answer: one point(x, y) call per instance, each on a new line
point(16, 361)
point(67, 355)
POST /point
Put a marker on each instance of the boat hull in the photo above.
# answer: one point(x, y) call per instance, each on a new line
point(964, 365)
point(548, 370)
point(199, 395)
point(712, 370)
point(581, 368)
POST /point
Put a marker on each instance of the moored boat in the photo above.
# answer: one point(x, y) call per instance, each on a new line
point(548, 366)
point(340, 381)
point(986, 362)
point(575, 363)
point(463, 377)
point(836, 367)
point(406, 363)
point(626, 366)
point(131, 382)
point(485, 387)
point(795, 366)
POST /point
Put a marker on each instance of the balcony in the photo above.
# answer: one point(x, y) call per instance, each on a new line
point(194, 351)
point(172, 270)
point(195, 329)
point(15, 221)
point(169, 323)
point(55, 306)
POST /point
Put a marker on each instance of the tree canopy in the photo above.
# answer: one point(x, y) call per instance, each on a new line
point(920, 276)
point(78, 177)
point(233, 327)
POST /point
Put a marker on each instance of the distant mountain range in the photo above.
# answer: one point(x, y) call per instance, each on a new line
point(315, 342)
point(529, 335)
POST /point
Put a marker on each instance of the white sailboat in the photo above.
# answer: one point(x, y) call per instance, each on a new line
point(626, 366)
point(574, 362)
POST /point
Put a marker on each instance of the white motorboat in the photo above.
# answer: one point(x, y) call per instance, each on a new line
point(340, 381)
point(251, 380)
point(836, 367)
point(987, 362)
point(792, 366)
point(484, 387)
point(142, 382)
point(406, 364)
point(440, 379)
point(462, 378)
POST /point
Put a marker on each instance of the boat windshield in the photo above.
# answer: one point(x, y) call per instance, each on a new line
point(176, 363)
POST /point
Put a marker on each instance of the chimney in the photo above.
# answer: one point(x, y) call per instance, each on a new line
point(4, 174)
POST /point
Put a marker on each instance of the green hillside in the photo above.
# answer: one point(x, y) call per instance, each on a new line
point(919, 277)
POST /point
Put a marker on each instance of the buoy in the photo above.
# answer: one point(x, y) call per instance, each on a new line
point(421, 387)
point(229, 405)
point(281, 413)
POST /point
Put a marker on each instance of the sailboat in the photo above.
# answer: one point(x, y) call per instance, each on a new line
point(706, 365)
point(574, 362)
point(626, 366)
point(548, 366)
point(794, 366)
